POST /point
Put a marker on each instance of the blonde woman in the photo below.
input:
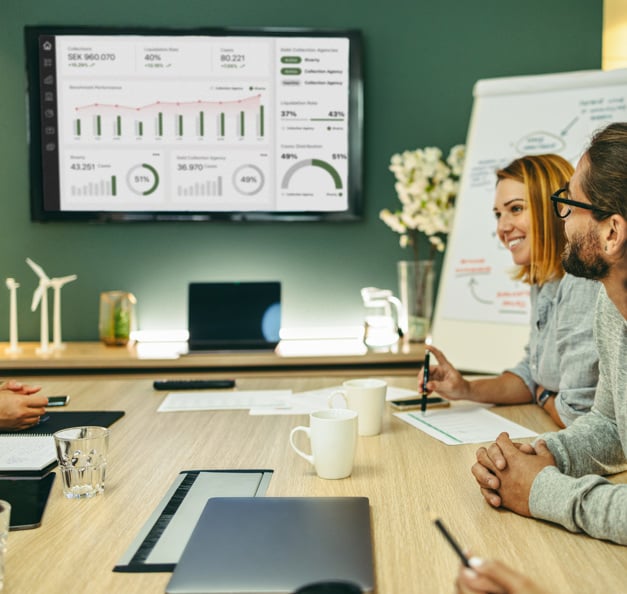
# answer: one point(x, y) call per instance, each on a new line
point(559, 371)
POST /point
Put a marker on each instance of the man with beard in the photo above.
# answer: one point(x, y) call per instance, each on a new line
point(559, 478)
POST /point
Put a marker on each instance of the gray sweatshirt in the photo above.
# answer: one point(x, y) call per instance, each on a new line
point(595, 444)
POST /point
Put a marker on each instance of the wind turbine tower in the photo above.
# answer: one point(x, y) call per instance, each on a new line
point(56, 284)
point(13, 348)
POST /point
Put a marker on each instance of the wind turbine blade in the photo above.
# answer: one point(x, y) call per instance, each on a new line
point(37, 295)
point(37, 269)
point(60, 281)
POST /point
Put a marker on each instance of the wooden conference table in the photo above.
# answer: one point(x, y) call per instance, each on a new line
point(406, 475)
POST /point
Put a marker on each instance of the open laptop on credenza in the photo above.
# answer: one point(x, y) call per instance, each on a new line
point(226, 316)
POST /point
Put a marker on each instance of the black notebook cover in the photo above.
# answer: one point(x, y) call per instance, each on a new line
point(28, 498)
point(55, 421)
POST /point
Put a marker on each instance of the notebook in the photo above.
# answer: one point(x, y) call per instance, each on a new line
point(275, 545)
point(234, 316)
point(26, 454)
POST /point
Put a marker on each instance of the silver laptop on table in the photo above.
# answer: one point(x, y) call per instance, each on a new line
point(224, 316)
point(275, 545)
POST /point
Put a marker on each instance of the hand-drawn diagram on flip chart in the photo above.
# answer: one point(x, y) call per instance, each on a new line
point(482, 316)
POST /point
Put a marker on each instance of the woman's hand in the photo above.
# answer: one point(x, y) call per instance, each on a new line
point(494, 577)
point(445, 379)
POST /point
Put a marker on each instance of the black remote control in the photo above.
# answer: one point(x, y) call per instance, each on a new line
point(193, 384)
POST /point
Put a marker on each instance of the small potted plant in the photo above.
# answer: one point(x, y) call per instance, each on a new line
point(117, 311)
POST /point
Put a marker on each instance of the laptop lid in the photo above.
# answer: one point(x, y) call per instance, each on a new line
point(275, 545)
point(234, 315)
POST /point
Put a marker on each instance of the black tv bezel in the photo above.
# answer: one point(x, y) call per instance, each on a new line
point(38, 213)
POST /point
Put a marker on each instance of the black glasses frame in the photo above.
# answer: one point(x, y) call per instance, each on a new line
point(557, 200)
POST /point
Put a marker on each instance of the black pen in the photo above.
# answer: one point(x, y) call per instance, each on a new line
point(425, 379)
point(452, 542)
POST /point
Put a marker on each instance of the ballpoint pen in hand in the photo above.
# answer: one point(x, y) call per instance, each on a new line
point(463, 558)
point(425, 377)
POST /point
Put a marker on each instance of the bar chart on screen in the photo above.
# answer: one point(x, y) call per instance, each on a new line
point(235, 119)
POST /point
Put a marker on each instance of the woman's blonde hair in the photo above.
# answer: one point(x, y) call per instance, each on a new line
point(541, 175)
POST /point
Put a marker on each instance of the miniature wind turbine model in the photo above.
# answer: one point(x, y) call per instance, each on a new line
point(13, 348)
point(40, 298)
point(56, 284)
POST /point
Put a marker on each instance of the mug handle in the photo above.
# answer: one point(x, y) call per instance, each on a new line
point(341, 394)
point(307, 430)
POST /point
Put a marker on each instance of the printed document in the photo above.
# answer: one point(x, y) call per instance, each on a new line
point(463, 424)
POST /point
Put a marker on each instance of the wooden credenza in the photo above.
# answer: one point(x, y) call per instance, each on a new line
point(95, 357)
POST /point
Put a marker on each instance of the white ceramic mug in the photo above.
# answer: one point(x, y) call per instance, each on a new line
point(333, 436)
point(367, 398)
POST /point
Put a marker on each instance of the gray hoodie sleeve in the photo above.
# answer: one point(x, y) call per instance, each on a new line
point(573, 494)
point(589, 504)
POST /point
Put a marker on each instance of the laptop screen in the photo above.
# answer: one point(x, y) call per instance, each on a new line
point(234, 315)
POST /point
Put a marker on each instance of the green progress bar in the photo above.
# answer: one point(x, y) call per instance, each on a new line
point(337, 180)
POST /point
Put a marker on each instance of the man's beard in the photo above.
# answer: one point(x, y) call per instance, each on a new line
point(581, 257)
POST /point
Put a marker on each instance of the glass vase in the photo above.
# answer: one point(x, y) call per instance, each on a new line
point(415, 283)
point(117, 317)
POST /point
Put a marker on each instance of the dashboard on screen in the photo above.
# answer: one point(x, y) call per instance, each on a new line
point(147, 124)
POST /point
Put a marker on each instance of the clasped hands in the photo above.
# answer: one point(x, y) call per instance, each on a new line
point(20, 405)
point(506, 470)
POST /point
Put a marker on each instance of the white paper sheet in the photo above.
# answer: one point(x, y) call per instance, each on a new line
point(463, 424)
point(221, 400)
point(303, 403)
point(20, 452)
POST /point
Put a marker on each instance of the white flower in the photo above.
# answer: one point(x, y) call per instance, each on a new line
point(427, 187)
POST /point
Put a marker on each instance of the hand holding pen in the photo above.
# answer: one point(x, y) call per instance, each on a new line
point(444, 378)
point(485, 576)
point(477, 575)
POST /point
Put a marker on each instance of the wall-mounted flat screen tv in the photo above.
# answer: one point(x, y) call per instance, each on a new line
point(206, 124)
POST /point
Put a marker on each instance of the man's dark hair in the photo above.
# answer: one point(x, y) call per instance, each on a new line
point(605, 182)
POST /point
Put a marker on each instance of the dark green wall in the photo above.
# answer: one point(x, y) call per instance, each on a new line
point(421, 62)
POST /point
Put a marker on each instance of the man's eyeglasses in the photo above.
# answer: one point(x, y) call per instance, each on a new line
point(562, 205)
